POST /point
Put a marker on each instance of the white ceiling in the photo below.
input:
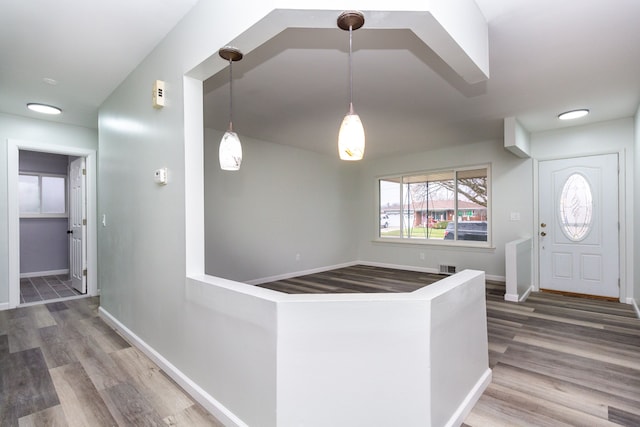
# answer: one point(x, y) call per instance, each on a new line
point(88, 47)
point(546, 56)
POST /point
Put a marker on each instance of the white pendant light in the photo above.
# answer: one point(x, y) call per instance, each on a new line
point(230, 152)
point(351, 136)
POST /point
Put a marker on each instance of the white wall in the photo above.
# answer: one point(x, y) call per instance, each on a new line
point(511, 186)
point(636, 209)
point(604, 137)
point(39, 131)
point(282, 202)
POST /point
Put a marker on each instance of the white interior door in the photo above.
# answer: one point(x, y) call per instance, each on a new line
point(578, 230)
point(78, 225)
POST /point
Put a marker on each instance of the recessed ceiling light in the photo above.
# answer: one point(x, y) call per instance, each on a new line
point(43, 108)
point(573, 114)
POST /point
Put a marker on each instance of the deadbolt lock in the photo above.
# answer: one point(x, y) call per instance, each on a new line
point(543, 234)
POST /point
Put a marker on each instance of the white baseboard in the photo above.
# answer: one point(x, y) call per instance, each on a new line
point(216, 408)
point(511, 297)
point(635, 306)
point(518, 298)
point(44, 273)
point(398, 266)
point(298, 273)
point(4, 306)
point(469, 402)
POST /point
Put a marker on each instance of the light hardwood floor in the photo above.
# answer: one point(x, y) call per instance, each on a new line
point(556, 361)
point(61, 365)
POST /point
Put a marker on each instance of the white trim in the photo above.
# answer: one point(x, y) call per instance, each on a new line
point(13, 211)
point(44, 273)
point(470, 400)
point(635, 306)
point(517, 298)
point(216, 408)
point(298, 273)
point(4, 306)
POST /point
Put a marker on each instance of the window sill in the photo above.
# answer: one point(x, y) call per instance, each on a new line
point(434, 242)
point(42, 216)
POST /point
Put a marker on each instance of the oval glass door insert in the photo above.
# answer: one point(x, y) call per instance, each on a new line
point(576, 207)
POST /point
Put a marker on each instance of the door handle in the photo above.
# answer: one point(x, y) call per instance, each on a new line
point(543, 225)
point(542, 233)
point(69, 231)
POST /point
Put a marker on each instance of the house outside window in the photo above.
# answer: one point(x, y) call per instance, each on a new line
point(442, 207)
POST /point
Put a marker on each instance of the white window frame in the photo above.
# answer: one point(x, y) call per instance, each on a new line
point(425, 241)
point(64, 214)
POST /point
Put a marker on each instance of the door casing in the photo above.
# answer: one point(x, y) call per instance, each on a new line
point(13, 210)
point(622, 212)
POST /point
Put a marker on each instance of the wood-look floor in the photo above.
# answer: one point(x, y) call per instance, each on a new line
point(61, 365)
point(556, 360)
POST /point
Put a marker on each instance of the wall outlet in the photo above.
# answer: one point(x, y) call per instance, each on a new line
point(422, 256)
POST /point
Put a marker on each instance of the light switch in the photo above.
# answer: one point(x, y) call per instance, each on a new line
point(158, 94)
point(160, 176)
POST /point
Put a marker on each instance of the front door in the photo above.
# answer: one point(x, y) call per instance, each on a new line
point(578, 229)
point(78, 225)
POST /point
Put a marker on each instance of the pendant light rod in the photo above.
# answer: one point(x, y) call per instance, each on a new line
point(351, 138)
point(349, 21)
point(231, 54)
point(230, 150)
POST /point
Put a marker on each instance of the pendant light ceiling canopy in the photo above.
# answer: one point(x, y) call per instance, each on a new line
point(351, 138)
point(230, 151)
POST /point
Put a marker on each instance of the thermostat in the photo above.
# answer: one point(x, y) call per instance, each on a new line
point(160, 176)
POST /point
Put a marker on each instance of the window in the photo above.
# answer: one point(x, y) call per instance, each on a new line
point(42, 195)
point(440, 206)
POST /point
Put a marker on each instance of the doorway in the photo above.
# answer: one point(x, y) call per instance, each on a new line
point(578, 228)
point(90, 231)
point(51, 196)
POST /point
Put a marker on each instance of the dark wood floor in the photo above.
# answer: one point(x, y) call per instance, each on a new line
point(354, 279)
point(556, 360)
point(61, 365)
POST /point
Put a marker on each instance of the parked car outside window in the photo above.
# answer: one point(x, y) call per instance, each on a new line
point(384, 221)
point(467, 230)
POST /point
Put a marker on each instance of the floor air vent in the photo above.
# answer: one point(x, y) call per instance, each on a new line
point(447, 269)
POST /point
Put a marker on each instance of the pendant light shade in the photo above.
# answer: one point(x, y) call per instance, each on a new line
point(230, 151)
point(351, 138)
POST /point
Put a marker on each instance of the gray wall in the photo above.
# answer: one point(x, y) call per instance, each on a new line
point(44, 243)
point(26, 129)
point(282, 203)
